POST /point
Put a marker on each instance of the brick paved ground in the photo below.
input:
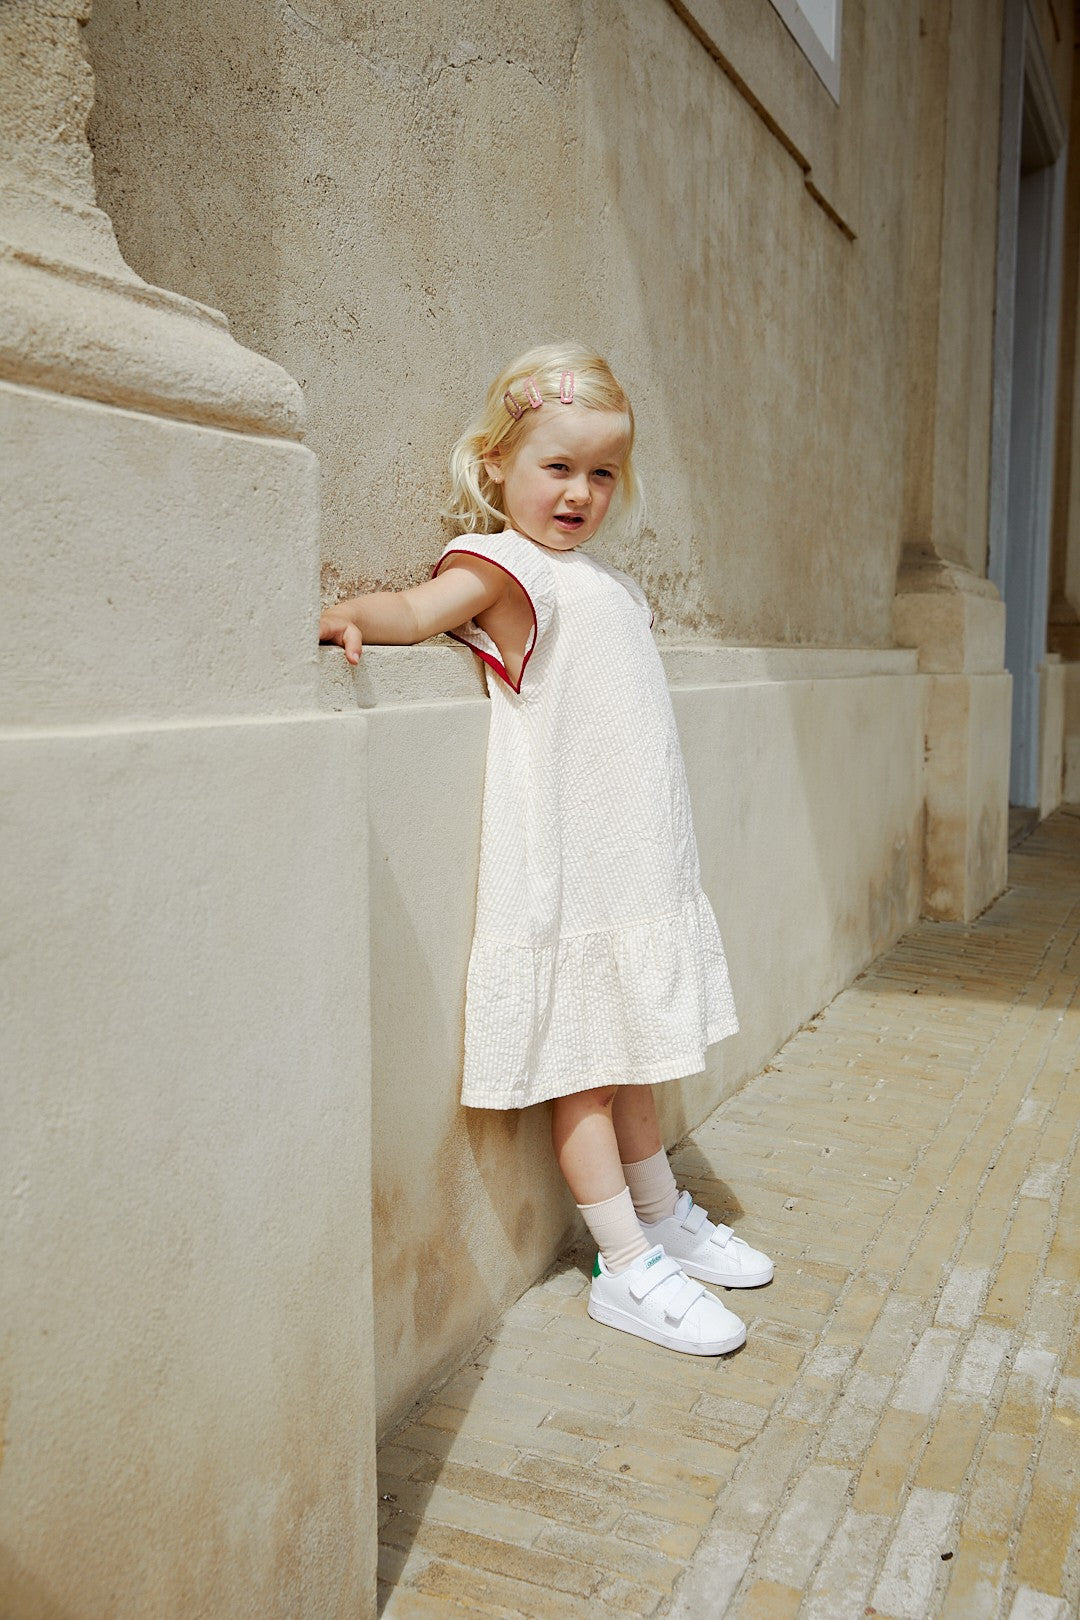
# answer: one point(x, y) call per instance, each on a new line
point(901, 1433)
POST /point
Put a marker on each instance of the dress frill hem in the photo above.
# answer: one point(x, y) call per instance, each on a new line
point(642, 1003)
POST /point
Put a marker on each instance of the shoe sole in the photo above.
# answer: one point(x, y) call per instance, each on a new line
point(725, 1279)
point(612, 1317)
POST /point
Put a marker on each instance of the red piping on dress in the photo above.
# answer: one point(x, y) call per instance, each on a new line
point(494, 663)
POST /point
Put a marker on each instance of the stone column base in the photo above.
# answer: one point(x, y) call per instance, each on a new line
point(1051, 733)
point(957, 622)
point(967, 803)
point(1070, 786)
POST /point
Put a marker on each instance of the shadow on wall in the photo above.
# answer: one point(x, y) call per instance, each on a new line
point(425, 1451)
point(24, 1596)
point(468, 1205)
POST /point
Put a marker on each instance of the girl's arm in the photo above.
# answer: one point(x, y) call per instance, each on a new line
point(465, 587)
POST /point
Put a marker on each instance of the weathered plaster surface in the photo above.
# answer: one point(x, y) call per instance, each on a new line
point(755, 49)
point(74, 316)
point(1051, 733)
point(389, 202)
point(963, 379)
point(1071, 746)
point(952, 630)
point(956, 621)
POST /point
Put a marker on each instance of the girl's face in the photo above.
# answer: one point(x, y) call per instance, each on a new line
point(558, 482)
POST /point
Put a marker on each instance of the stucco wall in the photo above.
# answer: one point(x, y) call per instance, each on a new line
point(390, 201)
point(963, 382)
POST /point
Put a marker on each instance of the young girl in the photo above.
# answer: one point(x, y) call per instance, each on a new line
point(597, 967)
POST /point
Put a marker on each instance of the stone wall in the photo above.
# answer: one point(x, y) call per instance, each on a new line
point(186, 1372)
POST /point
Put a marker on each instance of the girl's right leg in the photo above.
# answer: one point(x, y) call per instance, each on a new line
point(583, 1136)
point(586, 1147)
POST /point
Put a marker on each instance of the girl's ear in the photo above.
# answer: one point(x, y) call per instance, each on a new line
point(493, 466)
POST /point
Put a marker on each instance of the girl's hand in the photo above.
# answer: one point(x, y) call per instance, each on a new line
point(465, 587)
point(339, 630)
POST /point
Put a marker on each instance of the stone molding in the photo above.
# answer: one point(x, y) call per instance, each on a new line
point(74, 317)
point(922, 569)
point(955, 618)
point(445, 672)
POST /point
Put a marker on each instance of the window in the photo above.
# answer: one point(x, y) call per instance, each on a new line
point(815, 25)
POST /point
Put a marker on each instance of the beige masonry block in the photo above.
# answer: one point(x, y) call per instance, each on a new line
point(957, 622)
point(186, 1288)
point(1051, 733)
point(954, 631)
point(1070, 787)
point(967, 737)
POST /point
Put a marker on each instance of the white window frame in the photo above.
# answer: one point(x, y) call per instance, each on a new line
point(816, 27)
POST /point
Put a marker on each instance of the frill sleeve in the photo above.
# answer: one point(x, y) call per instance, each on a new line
point(525, 563)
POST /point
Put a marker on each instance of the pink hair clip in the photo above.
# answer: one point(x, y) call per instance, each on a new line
point(566, 388)
point(516, 411)
point(532, 393)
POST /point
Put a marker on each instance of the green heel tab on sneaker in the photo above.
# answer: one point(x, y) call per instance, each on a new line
point(596, 1265)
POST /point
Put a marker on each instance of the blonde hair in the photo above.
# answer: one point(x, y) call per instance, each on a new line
point(476, 500)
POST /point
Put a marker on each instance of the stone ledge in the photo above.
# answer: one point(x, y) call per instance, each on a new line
point(443, 672)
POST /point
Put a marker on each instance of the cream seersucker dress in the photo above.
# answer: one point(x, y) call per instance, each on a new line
point(596, 958)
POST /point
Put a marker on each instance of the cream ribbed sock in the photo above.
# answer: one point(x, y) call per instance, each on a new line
point(652, 1187)
point(615, 1228)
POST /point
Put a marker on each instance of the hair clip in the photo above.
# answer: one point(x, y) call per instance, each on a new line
point(566, 388)
point(532, 393)
point(516, 411)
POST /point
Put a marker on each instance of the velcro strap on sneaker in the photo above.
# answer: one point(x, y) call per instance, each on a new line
point(688, 1293)
point(695, 1220)
point(721, 1236)
point(643, 1282)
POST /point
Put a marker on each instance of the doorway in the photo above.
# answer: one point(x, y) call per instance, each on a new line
point(1031, 210)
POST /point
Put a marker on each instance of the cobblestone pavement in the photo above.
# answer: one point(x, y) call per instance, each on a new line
point(900, 1435)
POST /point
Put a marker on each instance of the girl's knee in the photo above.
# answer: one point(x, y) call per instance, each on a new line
point(596, 1101)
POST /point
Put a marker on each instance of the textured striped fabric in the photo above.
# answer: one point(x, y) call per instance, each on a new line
point(596, 959)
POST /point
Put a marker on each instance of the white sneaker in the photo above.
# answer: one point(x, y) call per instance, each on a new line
point(655, 1299)
point(712, 1253)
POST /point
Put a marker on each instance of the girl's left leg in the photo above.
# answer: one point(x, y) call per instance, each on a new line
point(712, 1253)
point(641, 1149)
